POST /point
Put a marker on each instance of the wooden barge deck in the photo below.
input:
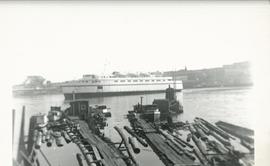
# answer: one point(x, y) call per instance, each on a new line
point(77, 125)
point(106, 153)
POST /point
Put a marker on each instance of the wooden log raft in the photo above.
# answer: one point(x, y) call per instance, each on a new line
point(170, 138)
point(214, 128)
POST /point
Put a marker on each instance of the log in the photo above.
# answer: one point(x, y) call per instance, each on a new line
point(247, 145)
point(201, 133)
point(201, 158)
point(134, 144)
point(170, 138)
point(38, 140)
point(189, 137)
point(177, 139)
point(220, 139)
point(141, 141)
point(66, 137)
point(58, 141)
point(47, 137)
point(50, 141)
point(79, 159)
point(97, 155)
point(214, 128)
point(203, 128)
point(184, 142)
point(128, 147)
point(199, 145)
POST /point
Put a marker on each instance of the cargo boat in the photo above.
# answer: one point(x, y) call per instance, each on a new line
point(100, 86)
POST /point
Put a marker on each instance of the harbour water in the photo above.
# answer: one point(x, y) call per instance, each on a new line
point(233, 105)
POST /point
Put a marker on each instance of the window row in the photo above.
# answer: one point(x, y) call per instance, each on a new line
point(142, 80)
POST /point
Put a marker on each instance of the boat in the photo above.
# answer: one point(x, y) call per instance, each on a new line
point(35, 85)
point(101, 86)
point(163, 109)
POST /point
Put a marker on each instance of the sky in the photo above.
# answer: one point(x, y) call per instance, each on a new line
point(63, 41)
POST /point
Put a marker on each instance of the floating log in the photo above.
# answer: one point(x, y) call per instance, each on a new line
point(47, 136)
point(220, 139)
point(124, 139)
point(88, 157)
point(214, 128)
point(142, 141)
point(201, 133)
point(203, 128)
point(181, 140)
point(43, 138)
point(237, 131)
point(189, 137)
point(38, 140)
point(35, 135)
point(177, 139)
point(79, 159)
point(247, 145)
point(218, 147)
point(66, 137)
point(58, 141)
point(134, 144)
point(50, 141)
point(90, 160)
point(192, 129)
point(169, 137)
point(199, 155)
point(199, 145)
point(97, 155)
point(234, 128)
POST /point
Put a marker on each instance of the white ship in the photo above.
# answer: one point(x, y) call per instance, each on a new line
point(98, 86)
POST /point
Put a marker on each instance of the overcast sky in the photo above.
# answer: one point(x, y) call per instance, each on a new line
point(63, 41)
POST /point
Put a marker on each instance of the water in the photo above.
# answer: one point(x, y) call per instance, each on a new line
point(227, 104)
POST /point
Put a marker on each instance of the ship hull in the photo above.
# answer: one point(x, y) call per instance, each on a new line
point(35, 92)
point(72, 96)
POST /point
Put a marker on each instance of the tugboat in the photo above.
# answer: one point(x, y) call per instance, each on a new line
point(170, 103)
point(161, 109)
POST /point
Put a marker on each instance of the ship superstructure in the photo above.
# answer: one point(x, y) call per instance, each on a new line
point(94, 86)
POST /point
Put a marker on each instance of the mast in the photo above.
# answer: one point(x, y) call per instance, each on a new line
point(174, 84)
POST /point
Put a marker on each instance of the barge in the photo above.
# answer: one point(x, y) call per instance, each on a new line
point(79, 125)
point(196, 143)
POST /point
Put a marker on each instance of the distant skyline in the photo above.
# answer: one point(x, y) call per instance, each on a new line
point(63, 41)
point(135, 72)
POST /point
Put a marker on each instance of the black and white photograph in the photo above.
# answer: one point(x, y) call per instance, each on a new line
point(135, 83)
